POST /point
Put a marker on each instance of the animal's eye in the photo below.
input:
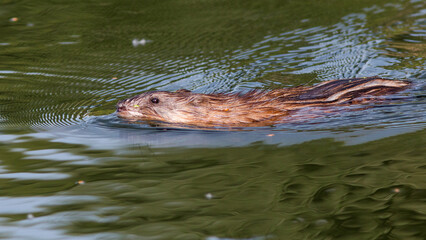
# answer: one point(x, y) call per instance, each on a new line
point(155, 100)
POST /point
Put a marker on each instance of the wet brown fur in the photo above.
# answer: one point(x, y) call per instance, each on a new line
point(254, 108)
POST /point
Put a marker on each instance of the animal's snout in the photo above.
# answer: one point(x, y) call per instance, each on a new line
point(121, 108)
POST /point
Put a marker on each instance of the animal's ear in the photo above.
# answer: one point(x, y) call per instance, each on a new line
point(183, 91)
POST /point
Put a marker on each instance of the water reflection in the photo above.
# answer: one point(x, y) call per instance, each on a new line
point(316, 187)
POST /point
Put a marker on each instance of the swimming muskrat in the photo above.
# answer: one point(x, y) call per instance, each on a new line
point(256, 107)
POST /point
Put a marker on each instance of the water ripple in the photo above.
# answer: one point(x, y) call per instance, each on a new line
point(342, 50)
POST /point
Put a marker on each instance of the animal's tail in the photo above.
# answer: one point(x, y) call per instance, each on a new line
point(347, 89)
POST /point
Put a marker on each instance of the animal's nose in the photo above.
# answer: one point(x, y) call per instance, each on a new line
point(121, 108)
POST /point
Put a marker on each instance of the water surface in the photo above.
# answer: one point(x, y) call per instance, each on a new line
point(70, 169)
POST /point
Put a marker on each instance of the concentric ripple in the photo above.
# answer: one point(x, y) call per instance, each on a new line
point(81, 79)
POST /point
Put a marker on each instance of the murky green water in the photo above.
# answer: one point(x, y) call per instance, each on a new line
point(70, 169)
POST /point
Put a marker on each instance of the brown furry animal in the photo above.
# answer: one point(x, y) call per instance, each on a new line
point(255, 108)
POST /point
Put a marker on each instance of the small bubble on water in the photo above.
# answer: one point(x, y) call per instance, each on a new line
point(321, 222)
point(142, 42)
point(209, 195)
point(30, 216)
point(299, 220)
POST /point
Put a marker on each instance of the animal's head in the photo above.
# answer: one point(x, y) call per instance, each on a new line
point(159, 106)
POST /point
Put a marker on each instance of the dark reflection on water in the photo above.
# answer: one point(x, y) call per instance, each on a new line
point(69, 168)
point(314, 189)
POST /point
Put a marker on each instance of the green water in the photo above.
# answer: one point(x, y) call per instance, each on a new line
point(70, 169)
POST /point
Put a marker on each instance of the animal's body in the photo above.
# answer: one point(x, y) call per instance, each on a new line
point(254, 108)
